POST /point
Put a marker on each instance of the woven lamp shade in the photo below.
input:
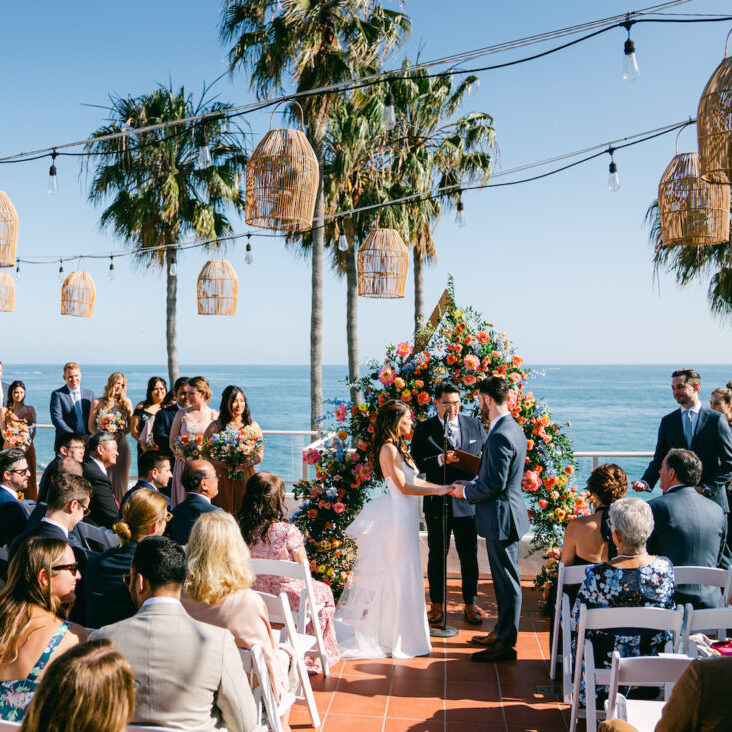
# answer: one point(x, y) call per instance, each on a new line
point(218, 288)
point(8, 231)
point(7, 293)
point(714, 126)
point(282, 182)
point(692, 212)
point(78, 294)
point(383, 265)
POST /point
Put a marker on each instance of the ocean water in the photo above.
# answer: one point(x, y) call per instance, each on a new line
point(614, 408)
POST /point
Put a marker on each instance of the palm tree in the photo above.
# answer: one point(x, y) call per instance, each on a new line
point(156, 193)
point(317, 43)
point(689, 264)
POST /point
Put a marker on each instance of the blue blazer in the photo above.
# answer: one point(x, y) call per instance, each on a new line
point(711, 442)
point(161, 429)
point(63, 414)
point(500, 510)
point(13, 517)
point(427, 446)
point(185, 515)
point(107, 598)
point(141, 484)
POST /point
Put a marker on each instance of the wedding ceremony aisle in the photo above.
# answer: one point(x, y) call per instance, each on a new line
point(446, 691)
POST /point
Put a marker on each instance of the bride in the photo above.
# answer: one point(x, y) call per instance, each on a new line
point(382, 611)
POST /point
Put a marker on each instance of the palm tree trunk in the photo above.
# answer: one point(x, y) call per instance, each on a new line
point(352, 318)
point(418, 289)
point(170, 316)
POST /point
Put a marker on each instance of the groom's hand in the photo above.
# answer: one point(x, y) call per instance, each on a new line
point(458, 489)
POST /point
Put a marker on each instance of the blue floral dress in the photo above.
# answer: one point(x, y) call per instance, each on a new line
point(15, 696)
point(607, 586)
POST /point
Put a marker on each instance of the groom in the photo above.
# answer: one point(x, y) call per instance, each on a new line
point(500, 514)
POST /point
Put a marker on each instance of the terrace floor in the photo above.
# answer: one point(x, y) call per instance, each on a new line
point(445, 690)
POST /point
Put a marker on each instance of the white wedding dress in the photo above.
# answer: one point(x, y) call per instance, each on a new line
point(382, 611)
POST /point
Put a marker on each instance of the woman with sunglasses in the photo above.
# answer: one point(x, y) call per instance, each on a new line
point(144, 513)
point(33, 631)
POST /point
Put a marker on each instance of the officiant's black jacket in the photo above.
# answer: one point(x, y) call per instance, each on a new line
point(712, 444)
point(427, 445)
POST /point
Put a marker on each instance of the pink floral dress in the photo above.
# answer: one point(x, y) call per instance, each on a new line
point(285, 542)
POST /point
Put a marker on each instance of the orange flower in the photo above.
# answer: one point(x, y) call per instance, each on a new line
point(529, 445)
point(569, 469)
point(517, 361)
point(451, 358)
point(423, 397)
point(419, 384)
point(399, 382)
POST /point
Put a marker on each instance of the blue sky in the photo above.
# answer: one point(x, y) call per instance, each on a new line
point(562, 265)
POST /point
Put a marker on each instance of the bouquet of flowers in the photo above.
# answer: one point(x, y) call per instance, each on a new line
point(17, 434)
point(111, 422)
point(236, 448)
point(190, 447)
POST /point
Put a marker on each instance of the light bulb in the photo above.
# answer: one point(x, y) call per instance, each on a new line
point(52, 178)
point(173, 269)
point(17, 273)
point(342, 243)
point(204, 155)
point(460, 215)
point(60, 273)
point(630, 63)
point(388, 115)
point(248, 256)
point(613, 179)
point(111, 269)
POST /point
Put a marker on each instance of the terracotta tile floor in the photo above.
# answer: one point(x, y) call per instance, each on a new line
point(446, 691)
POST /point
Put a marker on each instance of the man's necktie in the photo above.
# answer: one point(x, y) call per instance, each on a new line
point(688, 428)
point(80, 426)
point(452, 435)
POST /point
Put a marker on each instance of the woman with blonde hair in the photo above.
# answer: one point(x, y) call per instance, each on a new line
point(33, 606)
point(218, 590)
point(145, 513)
point(87, 689)
point(192, 422)
point(112, 413)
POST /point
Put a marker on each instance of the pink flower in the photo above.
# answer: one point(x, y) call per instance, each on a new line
point(531, 481)
point(514, 377)
point(387, 376)
point(471, 362)
point(543, 504)
point(311, 456)
point(363, 471)
point(341, 413)
point(403, 349)
point(339, 507)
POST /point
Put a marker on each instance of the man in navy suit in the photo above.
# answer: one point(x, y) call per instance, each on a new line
point(428, 443)
point(500, 514)
point(14, 473)
point(70, 405)
point(201, 484)
point(102, 455)
point(70, 446)
point(155, 473)
point(164, 418)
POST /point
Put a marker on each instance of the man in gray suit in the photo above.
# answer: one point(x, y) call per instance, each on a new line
point(688, 528)
point(190, 673)
point(500, 515)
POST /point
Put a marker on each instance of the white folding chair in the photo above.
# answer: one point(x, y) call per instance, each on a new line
point(637, 618)
point(278, 609)
point(663, 670)
point(308, 609)
point(563, 619)
point(709, 620)
point(255, 665)
point(710, 576)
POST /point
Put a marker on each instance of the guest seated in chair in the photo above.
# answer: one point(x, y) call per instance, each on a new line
point(201, 485)
point(14, 474)
point(155, 473)
point(218, 591)
point(270, 536)
point(144, 514)
point(633, 578)
point(33, 604)
point(102, 455)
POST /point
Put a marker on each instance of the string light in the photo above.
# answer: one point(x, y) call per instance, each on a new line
point(17, 272)
point(111, 268)
point(204, 154)
point(173, 269)
point(61, 270)
point(52, 178)
point(460, 213)
point(630, 63)
point(342, 243)
point(248, 256)
point(613, 179)
point(388, 114)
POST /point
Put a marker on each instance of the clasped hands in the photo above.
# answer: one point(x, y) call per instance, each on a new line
point(457, 488)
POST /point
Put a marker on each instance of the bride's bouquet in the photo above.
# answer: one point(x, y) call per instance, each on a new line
point(18, 434)
point(190, 447)
point(235, 448)
point(111, 422)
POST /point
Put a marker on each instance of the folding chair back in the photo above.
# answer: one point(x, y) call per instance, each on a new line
point(713, 619)
point(254, 664)
point(709, 576)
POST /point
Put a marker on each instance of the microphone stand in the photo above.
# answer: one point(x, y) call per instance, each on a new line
point(443, 630)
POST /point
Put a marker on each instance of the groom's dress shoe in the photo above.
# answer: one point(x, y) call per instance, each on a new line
point(497, 652)
point(473, 614)
point(435, 614)
point(487, 641)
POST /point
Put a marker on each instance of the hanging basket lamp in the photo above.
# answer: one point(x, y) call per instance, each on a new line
point(282, 181)
point(714, 125)
point(78, 294)
point(7, 293)
point(217, 288)
point(383, 265)
point(8, 231)
point(692, 211)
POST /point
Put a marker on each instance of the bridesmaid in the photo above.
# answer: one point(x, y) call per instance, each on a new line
point(115, 402)
point(192, 421)
point(233, 414)
point(145, 410)
point(18, 411)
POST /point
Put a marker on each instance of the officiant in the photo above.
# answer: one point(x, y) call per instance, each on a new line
point(464, 434)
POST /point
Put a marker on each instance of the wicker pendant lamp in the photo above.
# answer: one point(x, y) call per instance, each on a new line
point(383, 265)
point(714, 124)
point(282, 181)
point(8, 231)
point(78, 294)
point(692, 211)
point(7, 293)
point(217, 288)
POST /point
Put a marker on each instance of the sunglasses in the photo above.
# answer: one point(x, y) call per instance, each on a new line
point(126, 578)
point(73, 568)
point(20, 471)
point(168, 517)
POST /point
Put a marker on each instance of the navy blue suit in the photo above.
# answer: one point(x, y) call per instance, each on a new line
point(104, 510)
point(45, 481)
point(5, 393)
point(13, 517)
point(161, 429)
point(427, 446)
point(107, 597)
point(140, 484)
point(185, 515)
point(502, 518)
point(63, 414)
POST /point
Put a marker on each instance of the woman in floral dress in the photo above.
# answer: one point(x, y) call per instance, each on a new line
point(18, 424)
